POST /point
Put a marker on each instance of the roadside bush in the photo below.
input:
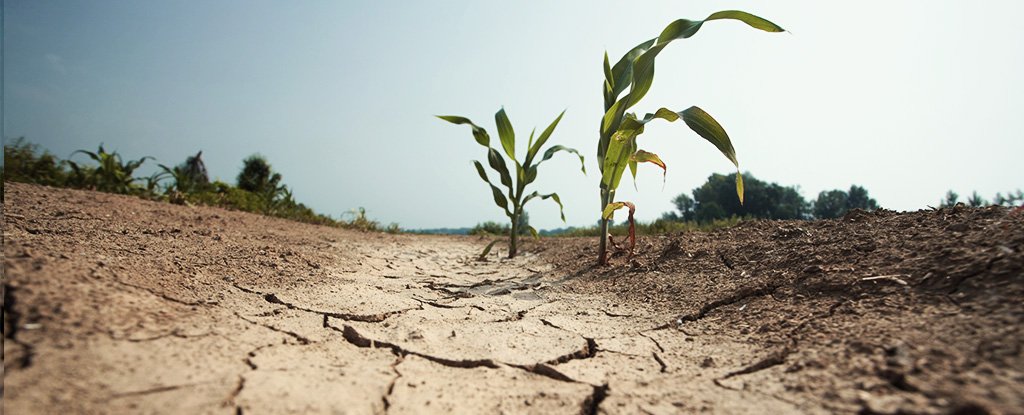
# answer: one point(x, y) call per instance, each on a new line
point(24, 162)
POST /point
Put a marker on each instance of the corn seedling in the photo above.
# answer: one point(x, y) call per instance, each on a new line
point(110, 175)
point(617, 148)
point(515, 198)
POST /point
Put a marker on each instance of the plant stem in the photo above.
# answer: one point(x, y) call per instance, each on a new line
point(513, 238)
point(602, 248)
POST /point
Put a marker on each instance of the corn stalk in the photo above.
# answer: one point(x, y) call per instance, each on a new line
point(514, 198)
point(633, 75)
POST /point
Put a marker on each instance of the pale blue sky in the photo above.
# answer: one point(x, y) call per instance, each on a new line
point(907, 98)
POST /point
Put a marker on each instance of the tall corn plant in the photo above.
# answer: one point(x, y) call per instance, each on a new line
point(633, 75)
point(514, 199)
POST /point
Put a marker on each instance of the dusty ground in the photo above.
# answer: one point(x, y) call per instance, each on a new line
point(119, 305)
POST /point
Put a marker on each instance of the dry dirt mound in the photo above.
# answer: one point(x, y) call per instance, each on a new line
point(114, 304)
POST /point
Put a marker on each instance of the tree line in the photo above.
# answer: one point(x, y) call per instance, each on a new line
point(716, 200)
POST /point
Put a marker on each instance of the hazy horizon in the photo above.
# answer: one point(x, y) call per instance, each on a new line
point(341, 99)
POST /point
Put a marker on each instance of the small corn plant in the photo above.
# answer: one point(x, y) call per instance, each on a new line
point(110, 175)
point(515, 198)
point(617, 148)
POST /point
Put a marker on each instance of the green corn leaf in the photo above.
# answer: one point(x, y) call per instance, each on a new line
point(552, 196)
point(531, 152)
point(479, 133)
point(609, 82)
point(609, 211)
point(621, 146)
point(554, 149)
point(499, 197)
point(529, 143)
point(643, 66)
point(622, 72)
point(531, 174)
point(632, 171)
point(497, 163)
point(91, 155)
point(534, 233)
point(608, 78)
point(754, 21)
point(506, 133)
point(487, 250)
point(704, 125)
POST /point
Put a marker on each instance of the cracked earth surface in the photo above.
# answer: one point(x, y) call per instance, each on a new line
point(119, 305)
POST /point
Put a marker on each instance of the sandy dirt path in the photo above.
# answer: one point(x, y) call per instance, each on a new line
point(118, 305)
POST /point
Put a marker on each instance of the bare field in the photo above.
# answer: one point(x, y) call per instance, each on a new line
point(114, 304)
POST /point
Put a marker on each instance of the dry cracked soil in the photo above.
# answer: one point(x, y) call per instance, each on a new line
point(115, 304)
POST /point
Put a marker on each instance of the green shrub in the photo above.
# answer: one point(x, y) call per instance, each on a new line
point(24, 162)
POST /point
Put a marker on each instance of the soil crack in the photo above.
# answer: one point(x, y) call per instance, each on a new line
point(773, 359)
point(298, 337)
point(544, 369)
point(158, 389)
point(391, 386)
point(732, 299)
point(353, 336)
point(365, 318)
point(159, 294)
point(593, 402)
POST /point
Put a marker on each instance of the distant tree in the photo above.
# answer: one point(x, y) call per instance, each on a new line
point(831, 204)
point(858, 198)
point(258, 177)
point(492, 228)
point(489, 228)
point(716, 199)
point(685, 206)
point(835, 203)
